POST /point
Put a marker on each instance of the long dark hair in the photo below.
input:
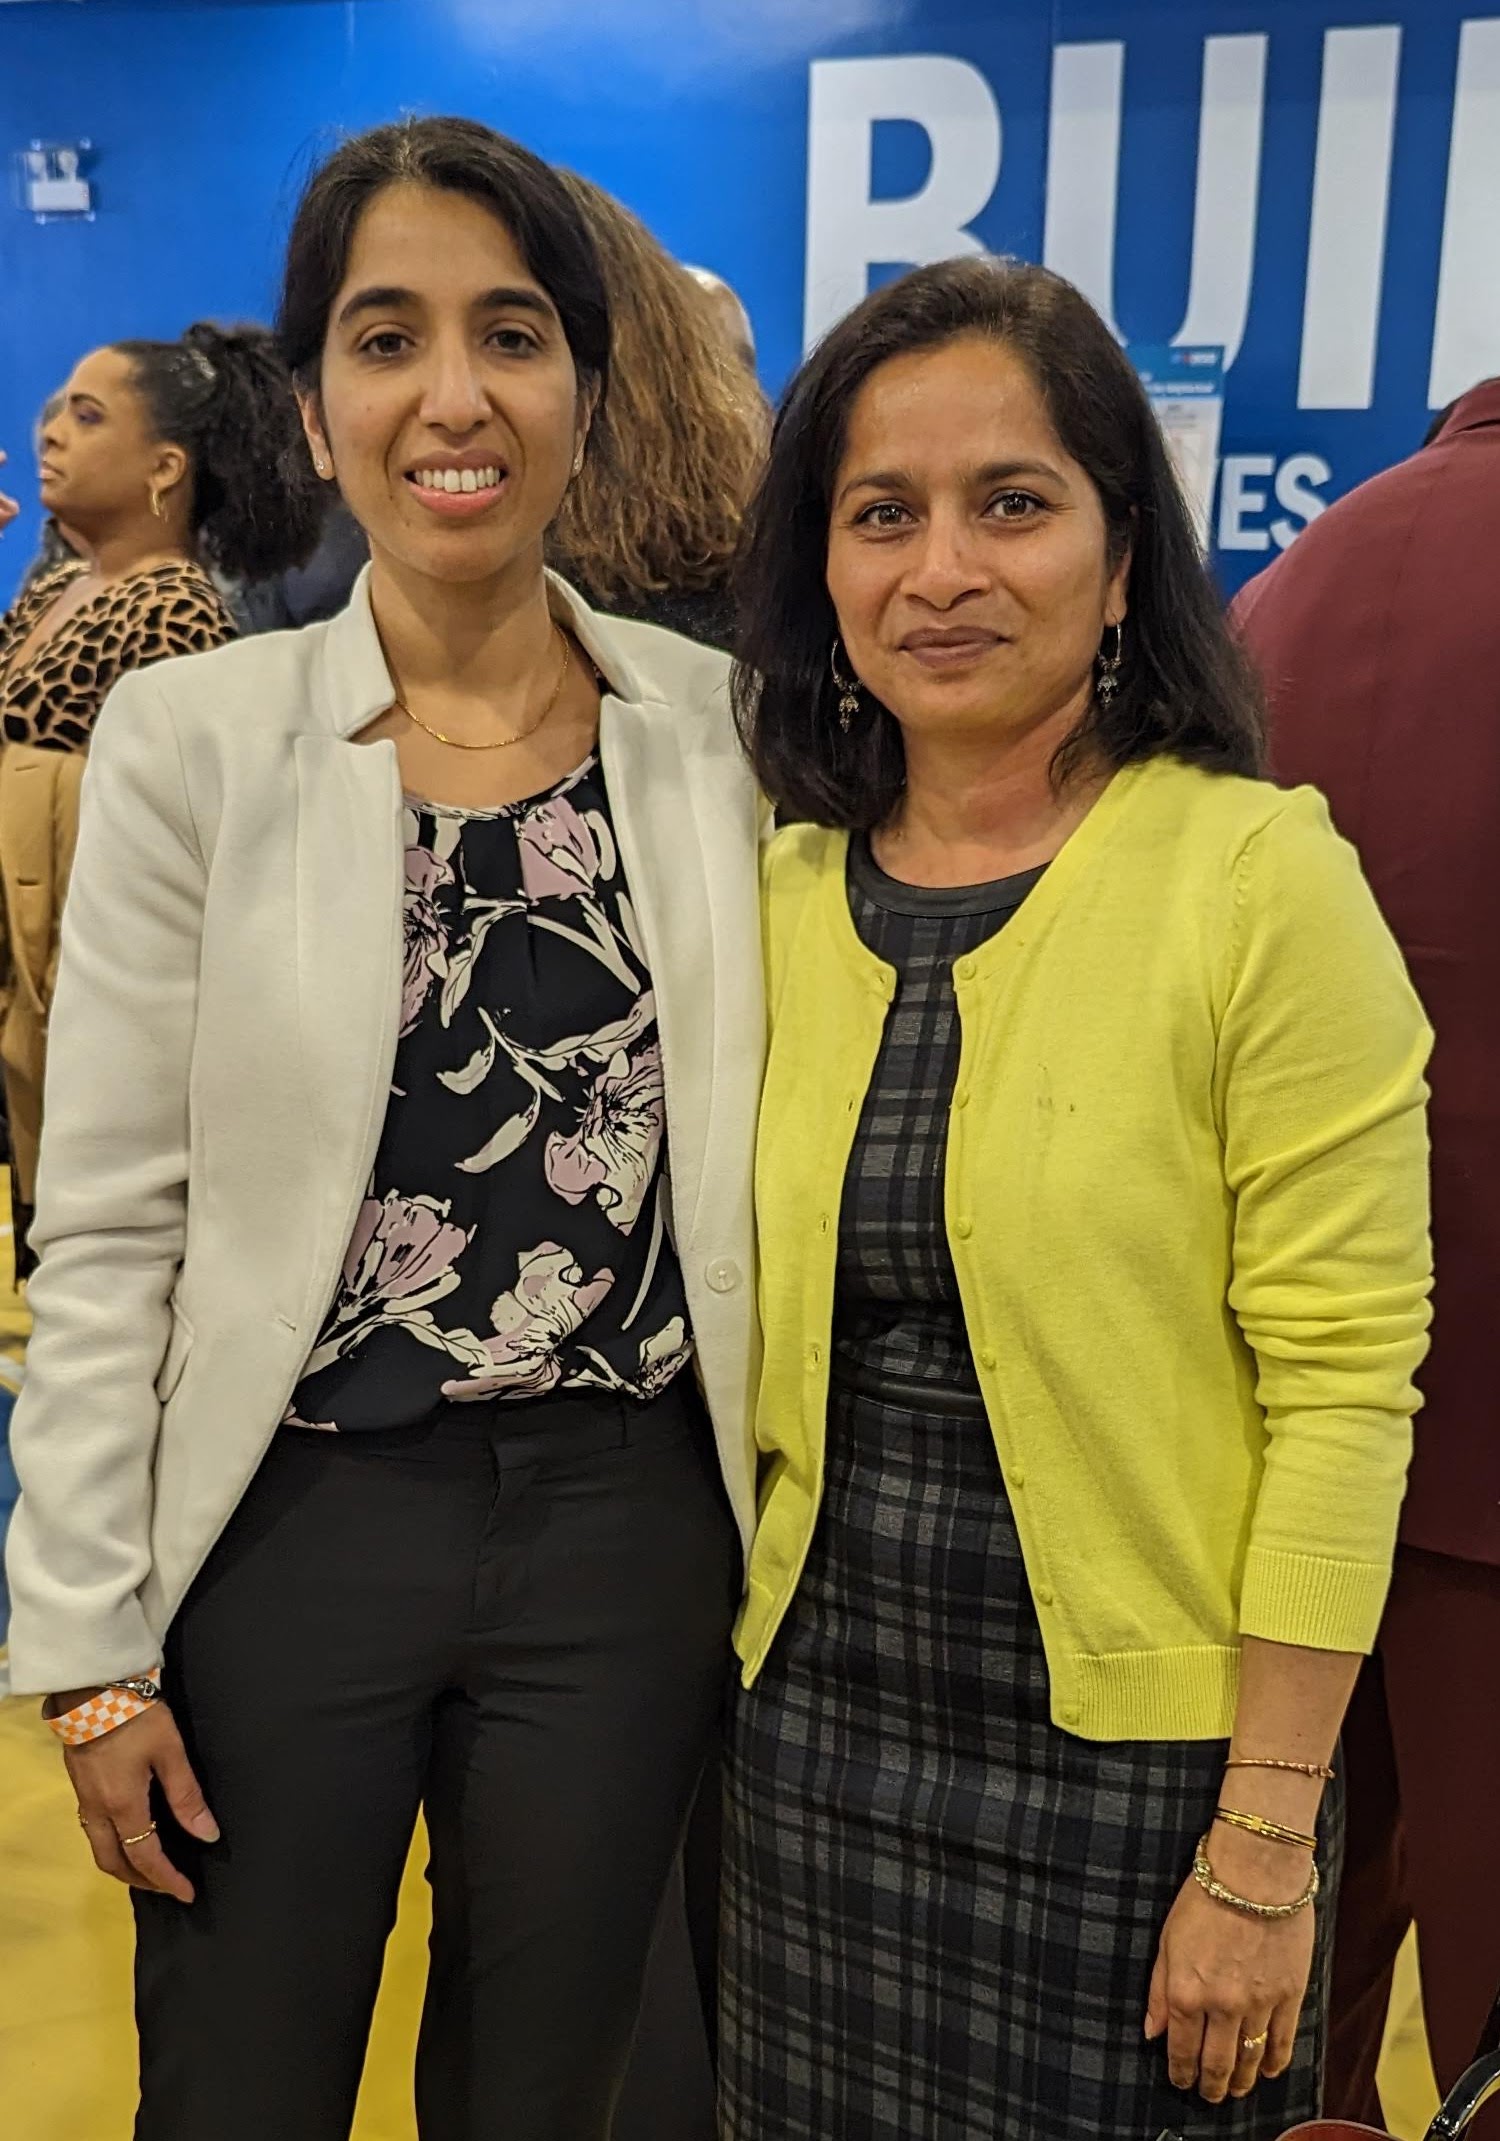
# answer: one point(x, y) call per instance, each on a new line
point(224, 396)
point(451, 156)
point(1184, 688)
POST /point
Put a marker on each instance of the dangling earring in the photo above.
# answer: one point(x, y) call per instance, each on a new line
point(848, 691)
point(1107, 683)
point(578, 465)
point(156, 505)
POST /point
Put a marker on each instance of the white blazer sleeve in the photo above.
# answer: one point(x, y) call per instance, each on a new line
point(111, 1208)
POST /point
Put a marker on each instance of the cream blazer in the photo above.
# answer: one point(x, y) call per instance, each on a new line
point(221, 1048)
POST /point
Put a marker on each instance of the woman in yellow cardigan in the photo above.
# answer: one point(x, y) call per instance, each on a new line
point(1092, 1196)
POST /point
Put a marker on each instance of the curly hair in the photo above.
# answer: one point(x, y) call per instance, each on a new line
point(224, 396)
point(658, 510)
point(1186, 690)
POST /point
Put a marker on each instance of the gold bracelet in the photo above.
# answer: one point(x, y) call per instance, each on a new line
point(1203, 1874)
point(1257, 1825)
point(1300, 1769)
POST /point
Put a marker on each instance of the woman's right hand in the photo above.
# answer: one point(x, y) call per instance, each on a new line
point(112, 1778)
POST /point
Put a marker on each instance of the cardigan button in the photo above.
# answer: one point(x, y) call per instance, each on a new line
point(723, 1275)
point(1044, 1594)
point(987, 1356)
point(963, 1228)
point(1016, 1477)
point(965, 969)
point(961, 1097)
point(1069, 1716)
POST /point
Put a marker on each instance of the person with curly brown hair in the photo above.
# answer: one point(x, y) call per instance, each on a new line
point(651, 527)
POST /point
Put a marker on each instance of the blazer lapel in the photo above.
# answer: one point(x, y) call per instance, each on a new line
point(656, 824)
point(349, 894)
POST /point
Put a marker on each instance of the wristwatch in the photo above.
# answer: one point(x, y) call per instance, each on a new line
point(145, 1690)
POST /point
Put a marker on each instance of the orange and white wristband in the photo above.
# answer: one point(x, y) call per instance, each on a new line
point(113, 1706)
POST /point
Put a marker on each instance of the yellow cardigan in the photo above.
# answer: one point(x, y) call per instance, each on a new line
point(1187, 1207)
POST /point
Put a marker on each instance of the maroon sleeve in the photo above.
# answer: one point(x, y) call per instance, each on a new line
point(1377, 637)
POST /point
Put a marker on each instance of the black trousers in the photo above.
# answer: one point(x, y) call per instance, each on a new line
point(516, 1618)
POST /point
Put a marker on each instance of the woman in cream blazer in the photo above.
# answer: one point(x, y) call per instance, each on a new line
point(291, 990)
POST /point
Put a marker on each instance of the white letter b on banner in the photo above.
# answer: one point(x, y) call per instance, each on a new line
point(848, 231)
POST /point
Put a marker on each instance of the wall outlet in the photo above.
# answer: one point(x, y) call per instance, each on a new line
point(50, 180)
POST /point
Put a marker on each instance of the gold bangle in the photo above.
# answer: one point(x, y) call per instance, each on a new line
point(1204, 1875)
point(1300, 1769)
point(1257, 1825)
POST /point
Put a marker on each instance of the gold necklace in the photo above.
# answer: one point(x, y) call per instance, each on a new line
point(503, 743)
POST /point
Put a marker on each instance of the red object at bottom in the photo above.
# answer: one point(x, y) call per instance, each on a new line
point(1335, 2130)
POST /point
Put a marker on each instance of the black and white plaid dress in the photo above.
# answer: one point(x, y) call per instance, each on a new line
point(942, 1911)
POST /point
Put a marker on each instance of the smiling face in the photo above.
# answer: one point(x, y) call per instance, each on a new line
point(97, 457)
point(968, 557)
point(448, 403)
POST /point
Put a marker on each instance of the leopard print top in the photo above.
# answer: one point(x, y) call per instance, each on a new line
point(51, 699)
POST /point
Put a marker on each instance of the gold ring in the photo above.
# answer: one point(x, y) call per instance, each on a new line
point(127, 1841)
point(83, 1820)
point(1253, 2044)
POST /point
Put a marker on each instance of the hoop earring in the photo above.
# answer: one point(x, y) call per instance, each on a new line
point(847, 689)
point(1107, 683)
point(156, 505)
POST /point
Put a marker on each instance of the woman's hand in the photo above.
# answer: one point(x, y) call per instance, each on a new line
point(112, 1778)
point(8, 506)
point(1223, 1979)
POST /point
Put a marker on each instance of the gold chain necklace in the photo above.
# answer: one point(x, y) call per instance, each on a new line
point(503, 743)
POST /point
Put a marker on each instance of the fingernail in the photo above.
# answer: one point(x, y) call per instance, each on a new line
point(205, 1828)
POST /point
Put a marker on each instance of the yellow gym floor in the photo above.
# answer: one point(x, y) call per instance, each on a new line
point(67, 2057)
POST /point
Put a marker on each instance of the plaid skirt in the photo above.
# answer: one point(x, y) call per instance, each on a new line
point(941, 1911)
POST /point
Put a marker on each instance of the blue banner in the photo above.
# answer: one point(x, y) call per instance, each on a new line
point(1311, 187)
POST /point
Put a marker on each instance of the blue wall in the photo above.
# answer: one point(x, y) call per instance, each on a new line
point(204, 117)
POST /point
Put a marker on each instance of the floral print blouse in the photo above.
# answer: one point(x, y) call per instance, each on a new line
point(514, 1238)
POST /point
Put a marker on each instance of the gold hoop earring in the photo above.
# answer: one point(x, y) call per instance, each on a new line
point(156, 505)
point(1107, 683)
point(848, 690)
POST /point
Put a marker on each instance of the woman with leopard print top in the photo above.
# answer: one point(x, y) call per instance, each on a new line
point(156, 458)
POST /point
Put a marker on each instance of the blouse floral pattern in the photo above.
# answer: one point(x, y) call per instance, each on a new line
point(514, 1237)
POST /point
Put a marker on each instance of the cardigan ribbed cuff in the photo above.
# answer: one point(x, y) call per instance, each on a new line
point(1312, 1600)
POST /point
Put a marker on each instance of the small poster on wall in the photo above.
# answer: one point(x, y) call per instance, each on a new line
point(1185, 385)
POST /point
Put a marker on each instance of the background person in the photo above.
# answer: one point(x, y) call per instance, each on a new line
point(1092, 1204)
point(735, 324)
point(160, 459)
point(651, 527)
point(1378, 640)
point(53, 547)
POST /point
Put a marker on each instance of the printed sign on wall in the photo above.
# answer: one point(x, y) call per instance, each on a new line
point(1310, 186)
point(1323, 195)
